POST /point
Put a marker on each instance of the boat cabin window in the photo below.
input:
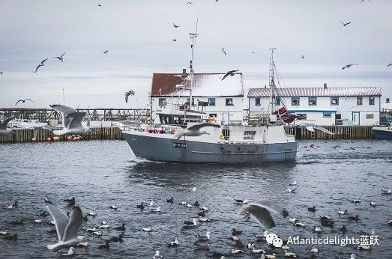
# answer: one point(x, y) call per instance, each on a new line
point(249, 135)
point(211, 101)
point(229, 102)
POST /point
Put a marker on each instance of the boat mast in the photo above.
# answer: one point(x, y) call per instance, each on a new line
point(272, 81)
point(193, 36)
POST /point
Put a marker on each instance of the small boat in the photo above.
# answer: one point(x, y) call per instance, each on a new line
point(383, 132)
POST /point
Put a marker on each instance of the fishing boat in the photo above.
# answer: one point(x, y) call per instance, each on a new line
point(207, 139)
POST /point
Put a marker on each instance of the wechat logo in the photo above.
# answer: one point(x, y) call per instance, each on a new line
point(273, 239)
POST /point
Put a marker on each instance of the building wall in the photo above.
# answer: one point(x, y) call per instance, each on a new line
point(222, 111)
point(346, 107)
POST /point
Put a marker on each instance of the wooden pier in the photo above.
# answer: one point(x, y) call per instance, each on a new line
point(341, 132)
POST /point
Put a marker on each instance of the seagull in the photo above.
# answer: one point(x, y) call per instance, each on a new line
point(157, 255)
point(229, 73)
point(261, 212)
point(174, 39)
point(69, 253)
point(175, 25)
point(129, 93)
point(106, 51)
point(312, 209)
point(43, 61)
point(114, 207)
point(294, 190)
point(349, 65)
point(71, 201)
point(313, 127)
point(61, 57)
point(194, 130)
point(99, 5)
point(67, 228)
point(302, 56)
point(224, 51)
point(390, 64)
point(345, 23)
point(189, 3)
point(72, 120)
point(3, 127)
point(147, 229)
point(202, 238)
point(174, 243)
point(387, 192)
point(36, 69)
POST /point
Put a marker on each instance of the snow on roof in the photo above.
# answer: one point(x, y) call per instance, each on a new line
point(205, 84)
point(317, 91)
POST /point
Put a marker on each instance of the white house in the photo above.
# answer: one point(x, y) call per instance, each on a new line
point(323, 105)
point(223, 99)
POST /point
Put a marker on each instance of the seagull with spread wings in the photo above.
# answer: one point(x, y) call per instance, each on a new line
point(261, 212)
point(349, 65)
point(194, 130)
point(345, 23)
point(175, 25)
point(72, 120)
point(61, 57)
point(229, 73)
point(129, 93)
point(67, 228)
point(224, 51)
point(23, 101)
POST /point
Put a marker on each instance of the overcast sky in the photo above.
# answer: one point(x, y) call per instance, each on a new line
point(139, 33)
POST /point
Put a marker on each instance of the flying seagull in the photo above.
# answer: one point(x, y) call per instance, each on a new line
point(189, 3)
point(99, 5)
point(229, 73)
point(313, 127)
point(67, 228)
point(175, 25)
point(224, 51)
point(389, 65)
point(43, 61)
point(61, 57)
point(72, 120)
point(349, 65)
point(23, 101)
point(174, 39)
point(3, 127)
point(345, 23)
point(302, 56)
point(262, 212)
point(106, 51)
point(129, 93)
point(194, 130)
point(40, 65)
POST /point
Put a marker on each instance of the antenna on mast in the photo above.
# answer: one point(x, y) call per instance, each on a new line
point(272, 80)
point(192, 36)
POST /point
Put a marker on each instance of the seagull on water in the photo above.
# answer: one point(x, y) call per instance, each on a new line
point(194, 130)
point(23, 101)
point(387, 192)
point(72, 120)
point(129, 93)
point(157, 255)
point(349, 65)
point(3, 127)
point(61, 57)
point(262, 212)
point(174, 243)
point(67, 228)
point(229, 73)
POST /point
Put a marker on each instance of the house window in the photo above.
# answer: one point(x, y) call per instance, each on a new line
point(229, 102)
point(162, 102)
point(213, 115)
point(257, 101)
point(369, 116)
point(327, 115)
point(371, 100)
point(211, 101)
point(294, 101)
point(334, 100)
point(312, 101)
point(359, 100)
point(277, 101)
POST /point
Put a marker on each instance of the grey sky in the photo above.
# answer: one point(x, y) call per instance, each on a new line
point(139, 33)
